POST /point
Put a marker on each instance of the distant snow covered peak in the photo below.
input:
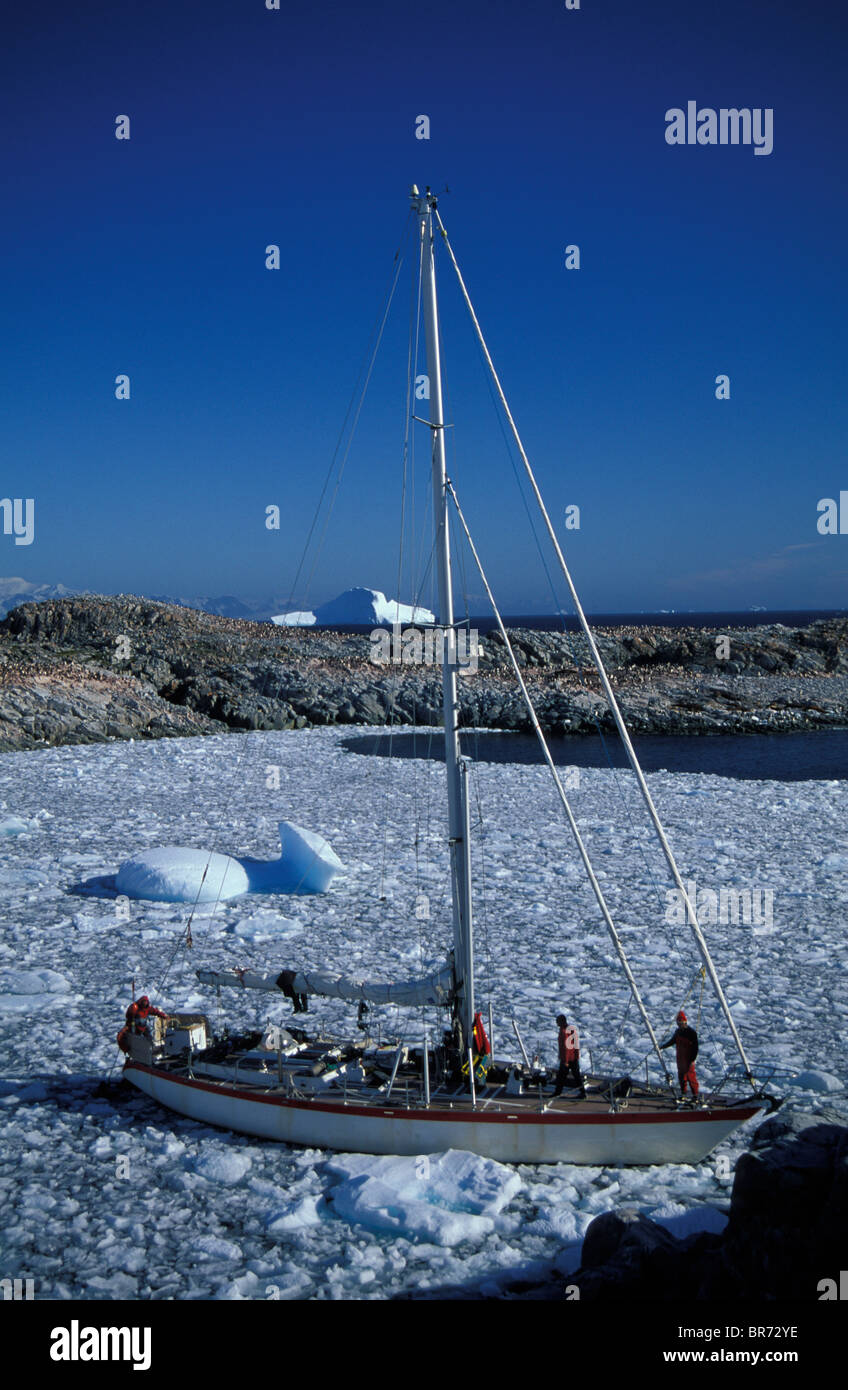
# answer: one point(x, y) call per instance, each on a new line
point(15, 591)
point(366, 606)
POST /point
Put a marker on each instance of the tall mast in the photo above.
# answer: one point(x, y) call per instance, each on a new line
point(460, 856)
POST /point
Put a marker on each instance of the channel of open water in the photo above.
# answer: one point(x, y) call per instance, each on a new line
point(818, 755)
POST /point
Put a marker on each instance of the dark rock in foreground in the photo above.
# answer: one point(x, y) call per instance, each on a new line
point(786, 1233)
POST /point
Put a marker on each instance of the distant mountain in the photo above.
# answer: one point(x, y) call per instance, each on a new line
point(15, 591)
point(360, 606)
point(368, 606)
point(225, 606)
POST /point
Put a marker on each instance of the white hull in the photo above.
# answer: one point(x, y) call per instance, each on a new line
point(605, 1138)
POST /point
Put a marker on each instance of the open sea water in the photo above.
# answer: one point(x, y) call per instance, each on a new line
point(818, 755)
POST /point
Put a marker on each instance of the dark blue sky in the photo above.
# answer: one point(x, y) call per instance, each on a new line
point(297, 127)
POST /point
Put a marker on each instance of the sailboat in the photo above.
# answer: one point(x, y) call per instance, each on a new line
point(396, 1097)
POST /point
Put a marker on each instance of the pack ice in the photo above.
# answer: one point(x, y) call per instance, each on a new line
point(307, 864)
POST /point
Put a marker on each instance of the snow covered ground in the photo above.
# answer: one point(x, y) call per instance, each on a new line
point(106, 1195)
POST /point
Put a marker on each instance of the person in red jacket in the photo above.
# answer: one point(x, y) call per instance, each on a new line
point(481, 1051)
point(568, 1044)
point(137, 1015)
point(481, 1042)
point(685, 1040)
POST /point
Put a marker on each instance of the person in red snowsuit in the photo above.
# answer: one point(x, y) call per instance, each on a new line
point(685, 1040)
point(568, 1044)
point(137, 1015)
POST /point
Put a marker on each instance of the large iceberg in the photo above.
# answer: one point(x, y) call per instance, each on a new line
point(366, 606)
point(175, 874)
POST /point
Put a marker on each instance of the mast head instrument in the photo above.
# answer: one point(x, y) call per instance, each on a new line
point(423, 203)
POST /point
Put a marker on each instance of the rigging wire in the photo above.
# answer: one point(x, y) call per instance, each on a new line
point(185, 938)
point(353, 428)
point(369, 357)
point(411, 364)
point(608, 691)
point(671, 937)
point(598, 891)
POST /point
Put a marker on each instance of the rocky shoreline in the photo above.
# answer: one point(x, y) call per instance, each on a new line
point(91, 669)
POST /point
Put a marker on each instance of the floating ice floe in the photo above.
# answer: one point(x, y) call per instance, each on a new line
point(440, 1198)
point(297, 1215)
point(229, 1167)
point(820, 1081)
point(266, 926)
point(307, 864)
point(15, 825)
point(834, 861)
point(31, 991)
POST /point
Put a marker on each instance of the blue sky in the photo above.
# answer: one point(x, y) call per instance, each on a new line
point(297, 127)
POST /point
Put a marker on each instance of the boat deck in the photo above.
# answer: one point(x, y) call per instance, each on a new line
point(408, 1094)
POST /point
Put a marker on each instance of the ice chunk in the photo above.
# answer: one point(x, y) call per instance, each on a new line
point(215, 1248)
point(84, 922)
point(30, 992)
point(115, 1286)
point(442, 1198)
point(830, 861)
point(14, 825)
point(562, 1222)
point(682, 1221)
point(307, 864)
point(228, 1168)
point(266, 926)
point(297, 1215)
point(816, 1081)
point(33, 982)
point(177, 875)
point(244, 1287)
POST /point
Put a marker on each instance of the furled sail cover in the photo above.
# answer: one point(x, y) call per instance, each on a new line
point(436, 988)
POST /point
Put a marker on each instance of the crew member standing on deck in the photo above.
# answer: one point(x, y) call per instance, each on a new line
point(569, 1057)
point(137, 1015)
point(685, 1040)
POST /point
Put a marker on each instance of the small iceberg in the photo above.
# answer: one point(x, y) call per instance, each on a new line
point(307, 864)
